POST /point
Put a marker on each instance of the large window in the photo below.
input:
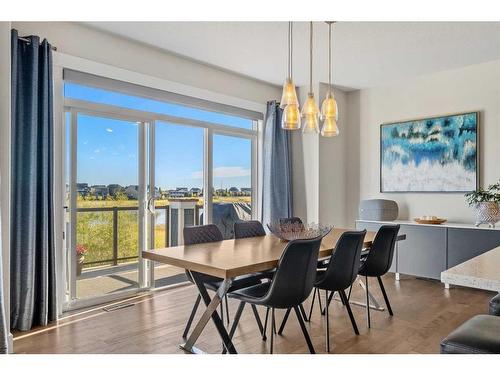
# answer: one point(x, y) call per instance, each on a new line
point(137, 173)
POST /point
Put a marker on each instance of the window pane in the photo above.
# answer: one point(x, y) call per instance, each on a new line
point(107, 230)
point(87, 93)
point(232, 178)
point(179, 186)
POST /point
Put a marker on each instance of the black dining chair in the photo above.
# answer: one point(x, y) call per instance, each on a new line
point(291, 285)
point(378, 261)
point(248, 229)
point(341, 272)
point(322, 263)
point(205, 234)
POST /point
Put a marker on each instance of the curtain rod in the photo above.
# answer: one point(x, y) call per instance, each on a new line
point(29, 41)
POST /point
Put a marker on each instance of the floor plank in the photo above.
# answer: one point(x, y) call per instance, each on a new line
point(424, 312)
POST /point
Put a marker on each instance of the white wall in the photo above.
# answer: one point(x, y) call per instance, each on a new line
point(319, 171)
point(332, 167)
point(5, 156)
point(472, 88)
point(82, 41)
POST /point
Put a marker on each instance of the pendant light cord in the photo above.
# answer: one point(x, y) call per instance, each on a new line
point(290, 50)
point(330, 57)
point(311, 57)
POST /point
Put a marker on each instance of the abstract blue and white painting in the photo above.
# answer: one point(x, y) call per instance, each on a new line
point(431, 155)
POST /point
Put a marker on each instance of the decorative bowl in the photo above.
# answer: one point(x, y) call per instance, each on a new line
point(430, 220)
point(298, 231)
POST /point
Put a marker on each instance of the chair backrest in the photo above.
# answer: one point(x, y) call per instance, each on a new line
point(295, 274)
point(379, 258)
point(245, 229)
point(202, 234)
point(344, 262)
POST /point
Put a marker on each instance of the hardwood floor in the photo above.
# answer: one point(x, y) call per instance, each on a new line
point(424, 312)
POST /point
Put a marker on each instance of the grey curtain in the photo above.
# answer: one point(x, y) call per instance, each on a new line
point(32, 270)
point(277, 169)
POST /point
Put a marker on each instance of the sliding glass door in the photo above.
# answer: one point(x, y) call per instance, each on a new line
point(138, 171)
point(176, 172)
point(107, 193)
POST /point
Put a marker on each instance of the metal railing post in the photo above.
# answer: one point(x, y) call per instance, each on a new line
point(115, 236)
point(167, 225)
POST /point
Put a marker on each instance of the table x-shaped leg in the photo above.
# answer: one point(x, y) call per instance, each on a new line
point(210, 312)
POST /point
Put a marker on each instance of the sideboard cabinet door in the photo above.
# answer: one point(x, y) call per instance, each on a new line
point(423, 253)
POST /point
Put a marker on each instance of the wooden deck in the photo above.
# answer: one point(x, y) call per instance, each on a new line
point(424, 312)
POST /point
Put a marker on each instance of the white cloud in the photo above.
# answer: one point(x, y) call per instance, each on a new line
point(225, 172)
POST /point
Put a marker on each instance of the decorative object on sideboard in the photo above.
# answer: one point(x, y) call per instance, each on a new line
point(430, 219)
point(298, 231)
point(438, 154)
point(378, 210)
point(486, 204)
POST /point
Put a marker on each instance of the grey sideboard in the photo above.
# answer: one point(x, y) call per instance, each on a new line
point(430, 249)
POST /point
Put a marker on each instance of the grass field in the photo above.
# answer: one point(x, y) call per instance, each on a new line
point(95, 229)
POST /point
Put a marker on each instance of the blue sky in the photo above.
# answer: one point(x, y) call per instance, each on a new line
point(107, 149)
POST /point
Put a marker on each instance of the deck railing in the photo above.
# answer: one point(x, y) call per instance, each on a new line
point(115, 259)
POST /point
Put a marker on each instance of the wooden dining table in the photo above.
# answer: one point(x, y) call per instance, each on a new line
point(229, 259)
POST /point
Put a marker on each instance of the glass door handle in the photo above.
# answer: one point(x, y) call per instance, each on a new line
point(151, 208)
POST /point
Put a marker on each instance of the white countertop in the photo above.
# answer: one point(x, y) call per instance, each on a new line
point(446, 224)
point(481, 272)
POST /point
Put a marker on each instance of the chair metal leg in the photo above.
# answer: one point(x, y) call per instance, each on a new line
point(349, 295)
point(304, 330)
point(319, 302)
point(349, 311)
point(272, 331)
point(264, 337)
point(327, 322)
point(304, 315)
point(312, 305)
point(235, 323)
point(274, 322)
point(227, 309)
point(285, 318)
point(222, 312)
point(385, 295)
point(257, 318)
point(367, 303)
point(328, 300)
point(191, 317)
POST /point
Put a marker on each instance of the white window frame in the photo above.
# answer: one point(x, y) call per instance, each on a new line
point(62, 105)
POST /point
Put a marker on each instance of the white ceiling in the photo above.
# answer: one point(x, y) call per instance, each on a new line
point(366, 54)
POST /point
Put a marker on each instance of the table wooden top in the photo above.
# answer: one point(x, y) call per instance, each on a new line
point(231, 258)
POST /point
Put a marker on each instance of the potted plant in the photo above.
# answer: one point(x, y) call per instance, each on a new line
point(81, 251)
point(486, 204)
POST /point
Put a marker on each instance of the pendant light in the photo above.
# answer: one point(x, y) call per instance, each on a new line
point(329, 109)
point(289, 102)
point(310, 110)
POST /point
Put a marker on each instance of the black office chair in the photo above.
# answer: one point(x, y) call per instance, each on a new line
point(205, 234)
point(291, 285)
point(378, 261)
point(341, 272)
